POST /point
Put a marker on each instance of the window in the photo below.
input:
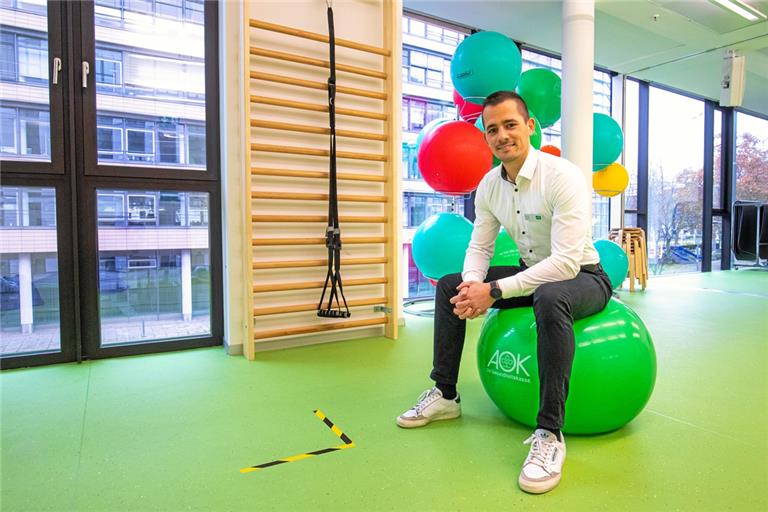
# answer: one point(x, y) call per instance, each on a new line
point(111, 208)
point(109, 69)
point(751, 165)
point(110, 141)
point(7, 56)
point(196, 145)
point(145, 252)
point(141, 208)
point(9, 207)
point(8, 130)
point(169, 8)
point(675, 182)
point(169, 143)
point(33, 60)
point(35, 133)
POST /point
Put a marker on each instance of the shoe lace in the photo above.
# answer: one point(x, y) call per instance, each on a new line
point(426, 398)
point(541, 452)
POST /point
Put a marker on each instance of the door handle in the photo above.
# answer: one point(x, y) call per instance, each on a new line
point(56, 69)
point(86, 71)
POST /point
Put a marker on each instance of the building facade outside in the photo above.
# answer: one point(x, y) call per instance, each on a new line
point(153, 245)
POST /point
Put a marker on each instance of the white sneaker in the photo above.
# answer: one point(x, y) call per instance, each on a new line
point(431, 406)
point(544, 464)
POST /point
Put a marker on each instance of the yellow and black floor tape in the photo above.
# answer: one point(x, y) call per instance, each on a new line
point(336, 430)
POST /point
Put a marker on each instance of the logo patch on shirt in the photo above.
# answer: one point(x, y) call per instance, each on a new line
point(533, 216)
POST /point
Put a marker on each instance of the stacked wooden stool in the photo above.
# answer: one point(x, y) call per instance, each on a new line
point(632, 240)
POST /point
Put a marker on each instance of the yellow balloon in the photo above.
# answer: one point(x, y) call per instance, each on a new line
point(610, 181)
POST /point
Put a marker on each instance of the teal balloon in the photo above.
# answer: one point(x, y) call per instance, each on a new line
point(428, 128)
point(484, 63)
point(614, 368)
point(614, 261)
point(479, 125)
point(505, 252)
point(535, 136)
point(540, 88)
point(607, 141)
point(439, 244)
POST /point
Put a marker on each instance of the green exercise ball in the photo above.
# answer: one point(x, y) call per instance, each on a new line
point(484, 63)
point(505, 252)
point(540, 88)
point(614, 261)
point(614, 368)
point(607, 141)
point(536, 136)
point(440, 243)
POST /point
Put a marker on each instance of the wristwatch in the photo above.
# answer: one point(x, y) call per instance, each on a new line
point(495, 290)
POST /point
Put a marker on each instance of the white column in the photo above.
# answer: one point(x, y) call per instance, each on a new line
point(24, 207)
point(578, 65)
point(186, 284)
point(25, 292)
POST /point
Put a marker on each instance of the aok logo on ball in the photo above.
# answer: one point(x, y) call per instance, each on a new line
point(510, 366)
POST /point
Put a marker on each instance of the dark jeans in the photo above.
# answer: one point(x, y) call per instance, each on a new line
point(555, 305)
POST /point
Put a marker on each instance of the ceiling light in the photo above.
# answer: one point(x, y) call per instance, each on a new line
point(742, 9)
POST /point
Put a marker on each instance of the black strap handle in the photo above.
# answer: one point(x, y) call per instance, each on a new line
point(332, 231)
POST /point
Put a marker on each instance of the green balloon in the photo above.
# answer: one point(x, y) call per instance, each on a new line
point(540, 88)
point(614, 261)
point(428, 128)
point(607, 141)
point(505, 251)
point(614, 368)
point(536, 136)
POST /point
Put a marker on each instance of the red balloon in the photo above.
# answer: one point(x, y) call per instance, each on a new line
point(433, 282)
point(468, 111)
point(552, 150)
point(454, 157)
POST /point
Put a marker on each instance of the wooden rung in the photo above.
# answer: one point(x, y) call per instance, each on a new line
point(277, 310)
point(280, 79)
point(292, 57)
point(274, 27)
point(292, 331)
point(292, 173)
point(321, 130)
point(299, 196)
point(308, 285)
point(320, 262)
point(265, 100)
point(318, 240)
point(293, 150)
point(361, 219)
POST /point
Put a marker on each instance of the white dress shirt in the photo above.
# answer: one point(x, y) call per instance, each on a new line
point(546, 212)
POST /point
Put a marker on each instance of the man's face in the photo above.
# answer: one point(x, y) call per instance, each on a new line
point(507, 132)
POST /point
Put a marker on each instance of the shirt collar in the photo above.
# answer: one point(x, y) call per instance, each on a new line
point(529, 166)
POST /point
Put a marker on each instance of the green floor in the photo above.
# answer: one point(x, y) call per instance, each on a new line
point(171, 431)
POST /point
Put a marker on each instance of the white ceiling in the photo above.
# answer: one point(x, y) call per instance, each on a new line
point(676, 43)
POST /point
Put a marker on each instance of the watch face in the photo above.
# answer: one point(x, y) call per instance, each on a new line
point(495, 291)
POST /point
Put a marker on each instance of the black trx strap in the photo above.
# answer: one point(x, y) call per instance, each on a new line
point(332, 232)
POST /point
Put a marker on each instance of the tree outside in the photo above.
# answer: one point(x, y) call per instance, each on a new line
point(676, 201)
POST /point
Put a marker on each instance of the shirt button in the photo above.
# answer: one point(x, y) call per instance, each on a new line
point(530, 250)
point(515, 190)
point(523, 232)
point(518, 211)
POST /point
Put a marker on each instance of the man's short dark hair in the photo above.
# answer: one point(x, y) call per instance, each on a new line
point(497, 97)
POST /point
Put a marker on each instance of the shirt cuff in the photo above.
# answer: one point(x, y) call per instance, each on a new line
point(510, 287)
